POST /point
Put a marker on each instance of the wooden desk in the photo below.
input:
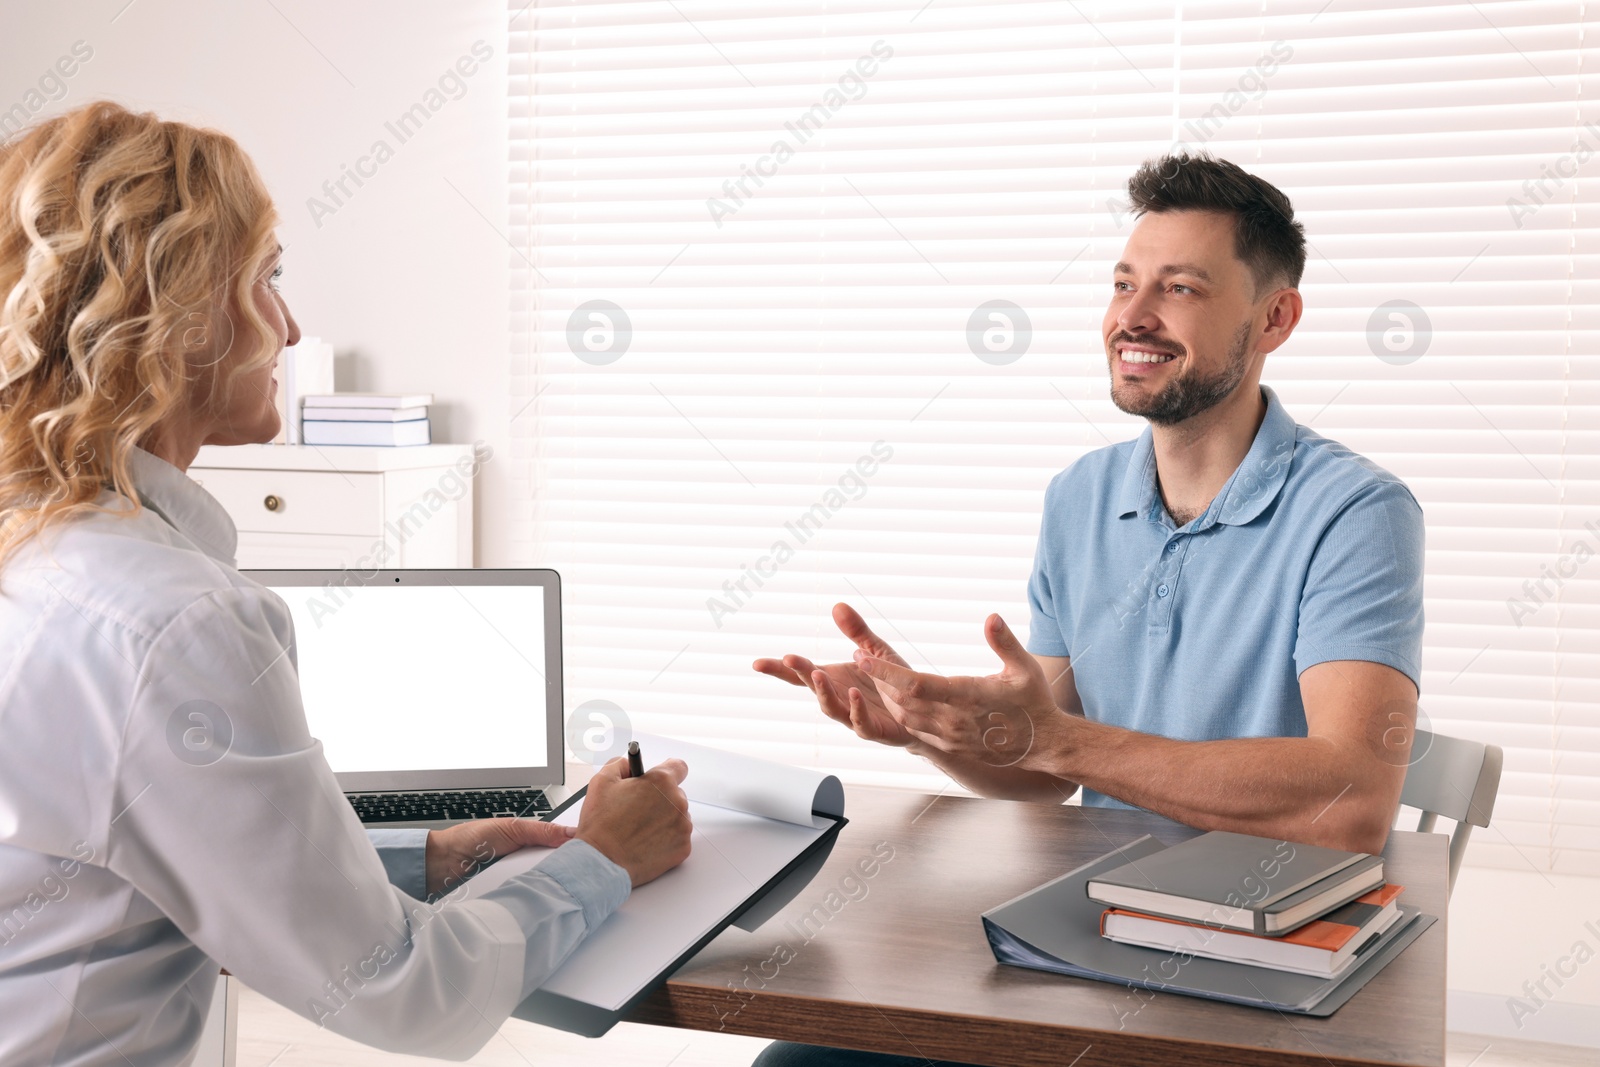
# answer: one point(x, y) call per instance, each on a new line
point(898, 962)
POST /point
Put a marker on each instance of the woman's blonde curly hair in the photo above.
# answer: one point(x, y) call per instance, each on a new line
point(128, 246)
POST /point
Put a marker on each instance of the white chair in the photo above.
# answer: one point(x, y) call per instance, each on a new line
point(1454, 778)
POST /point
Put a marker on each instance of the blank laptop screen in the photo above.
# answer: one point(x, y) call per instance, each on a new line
point(421, 678)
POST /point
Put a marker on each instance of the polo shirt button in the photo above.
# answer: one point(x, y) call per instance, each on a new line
point(1161, 590)
point(1172, 546)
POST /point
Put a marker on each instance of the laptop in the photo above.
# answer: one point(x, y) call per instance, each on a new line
point(436, 694)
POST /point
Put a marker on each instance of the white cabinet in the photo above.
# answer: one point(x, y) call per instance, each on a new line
point(323, 506)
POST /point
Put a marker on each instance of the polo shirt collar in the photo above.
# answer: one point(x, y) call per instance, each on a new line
point(1247, 493)
point(186, 507)
point(1139, 480)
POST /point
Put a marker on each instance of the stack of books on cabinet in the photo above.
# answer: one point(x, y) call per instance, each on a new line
point(384, 419)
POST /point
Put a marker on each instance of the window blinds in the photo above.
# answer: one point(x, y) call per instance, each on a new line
point(806, 308)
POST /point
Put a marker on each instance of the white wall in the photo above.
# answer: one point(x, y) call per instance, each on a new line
point(405, 278)
point(1510, 931)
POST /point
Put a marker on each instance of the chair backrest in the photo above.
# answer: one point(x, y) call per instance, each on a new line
point(1455, 778)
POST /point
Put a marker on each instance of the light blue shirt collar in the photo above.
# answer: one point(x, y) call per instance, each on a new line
point(1247, 493)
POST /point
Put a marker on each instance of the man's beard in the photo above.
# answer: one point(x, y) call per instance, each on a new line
point(1186, 397)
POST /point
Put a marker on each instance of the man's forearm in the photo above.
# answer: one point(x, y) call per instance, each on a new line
point(998, 782)
point(1305, 789)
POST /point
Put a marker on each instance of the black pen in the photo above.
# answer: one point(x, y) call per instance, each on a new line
point(635, 761)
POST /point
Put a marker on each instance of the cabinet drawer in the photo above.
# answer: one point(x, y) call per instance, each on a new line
point(306, 502)
point(270, 551)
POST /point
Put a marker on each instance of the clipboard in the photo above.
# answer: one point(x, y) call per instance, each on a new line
point(748, 816)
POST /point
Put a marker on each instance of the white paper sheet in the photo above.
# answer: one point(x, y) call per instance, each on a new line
point(751, 817)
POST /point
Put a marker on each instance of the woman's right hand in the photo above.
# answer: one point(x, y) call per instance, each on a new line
point(846, 693)
point(640, 824)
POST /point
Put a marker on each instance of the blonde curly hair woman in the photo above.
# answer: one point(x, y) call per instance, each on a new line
point(124, 243)
point(139, 319)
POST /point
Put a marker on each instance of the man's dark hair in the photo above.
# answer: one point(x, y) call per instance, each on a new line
point(1266, 237)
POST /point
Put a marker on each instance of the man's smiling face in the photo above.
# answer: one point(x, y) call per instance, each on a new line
point(1180, 327)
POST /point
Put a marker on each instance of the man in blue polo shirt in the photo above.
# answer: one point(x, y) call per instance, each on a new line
point(1227, 611)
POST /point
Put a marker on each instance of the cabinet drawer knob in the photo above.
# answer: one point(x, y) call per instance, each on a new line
point(272, 503)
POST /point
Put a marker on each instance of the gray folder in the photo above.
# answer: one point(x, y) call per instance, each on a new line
point(1057, 928)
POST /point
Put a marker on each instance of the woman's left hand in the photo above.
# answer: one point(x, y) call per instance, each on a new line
point(457, 853)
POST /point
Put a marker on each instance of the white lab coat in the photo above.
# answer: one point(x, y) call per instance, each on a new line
point(164, 811)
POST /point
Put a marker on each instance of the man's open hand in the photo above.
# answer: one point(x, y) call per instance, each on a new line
point(845, 693)
point(1000, 720)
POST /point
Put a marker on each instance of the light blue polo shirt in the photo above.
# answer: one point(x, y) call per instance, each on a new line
point(1309, 553)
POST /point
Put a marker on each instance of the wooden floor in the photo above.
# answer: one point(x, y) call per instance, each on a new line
point(271, 1036)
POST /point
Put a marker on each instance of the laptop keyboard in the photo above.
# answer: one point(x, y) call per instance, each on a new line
point(467, 804)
